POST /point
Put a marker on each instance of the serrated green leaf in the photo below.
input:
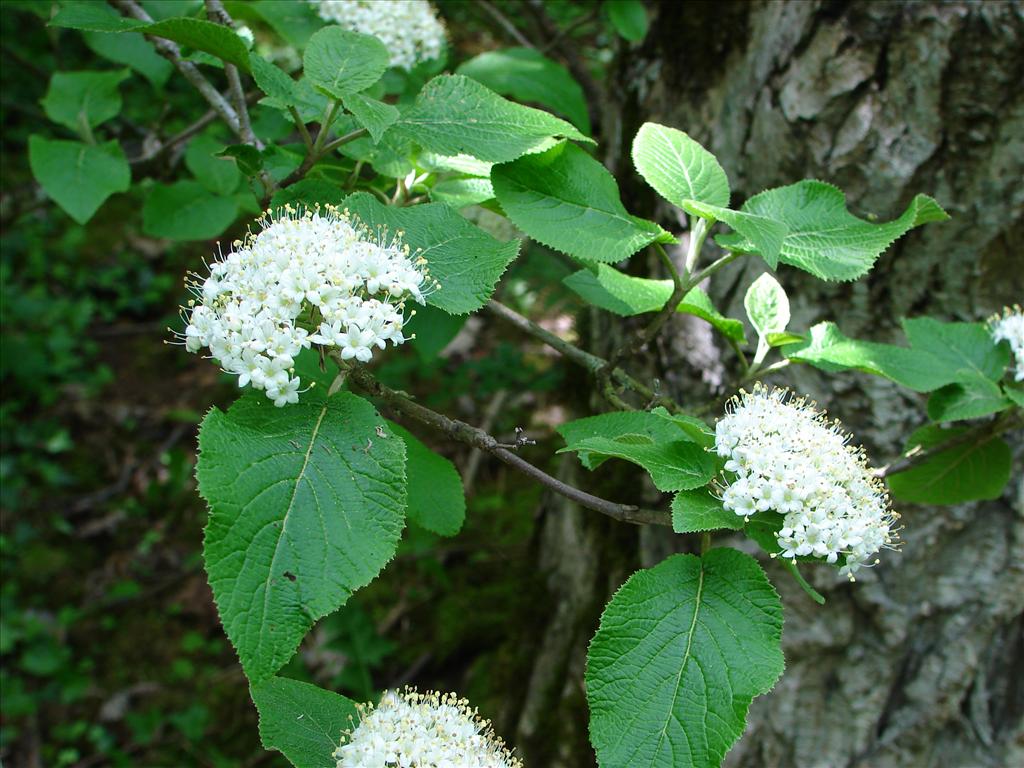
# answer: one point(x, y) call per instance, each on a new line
point(433, 329)
point(458, 193)
point(391, 157)
point(766, 234)
point(941, 354)
point(965, 349)
point(682, 650)
point(956, 402)
point(307, 503)
point(828, 349)
point(824, 238)
point(568, 201)
point(301, 721)
point(274, 82)
point(657, 425)
point(132, 50)
point(87, 15)
point(673, 466)
point(455, 115)
point(699, 510)
point(310, 192)
point(185, 210)
point(247, 158)
point(221, 42)
point(338, 62)
point(218, 174)
point(527, 75)
point(629, 17)
point(214, 39)
point(973, 470)
point(626, 295)
point(81, 101)
point(464, 259)
point(437, 500)
point(294, 22)
point(375, 116)
point(767, 307)
point(78, 177)
point(1015, 393)
point(678, 168)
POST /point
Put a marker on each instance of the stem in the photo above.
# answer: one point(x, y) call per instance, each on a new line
point(697, 235)
point(458, 430)
point(303, 130)
point(580, 357)
point(505, 23)
point(705, 542)
point(172, 52)
point(313, 157)
point(325, 127)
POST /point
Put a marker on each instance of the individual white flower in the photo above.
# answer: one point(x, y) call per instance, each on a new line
point(409, 729)
point(784, 456)
point(306, 277)
point(1009, 327)
point(409, 29)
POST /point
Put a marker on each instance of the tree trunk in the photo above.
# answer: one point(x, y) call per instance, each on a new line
point(921, 662)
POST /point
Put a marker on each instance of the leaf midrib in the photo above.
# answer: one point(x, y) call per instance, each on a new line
point(288, 510)
point(686, 658)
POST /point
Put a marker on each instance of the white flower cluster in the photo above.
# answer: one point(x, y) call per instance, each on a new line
point(785, 456)
point(409, 28)
point(409, 729)
point(307, 277)
point(1009, 327)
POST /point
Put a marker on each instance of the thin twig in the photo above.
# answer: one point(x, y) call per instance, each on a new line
point(505, 23)
point(314, 157)
point(580, 357)
point(170, 51)
point(465, 433)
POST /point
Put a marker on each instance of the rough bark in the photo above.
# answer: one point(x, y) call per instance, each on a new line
point(920, 663)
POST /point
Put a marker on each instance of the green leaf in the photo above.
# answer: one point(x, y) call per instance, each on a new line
point(682, 650)
point(218, 174)
point(527, 75)
point(310, 192)
point(1015, 393)
point(78, 177)
point(768, 309)
point(455, 115)
point(767, 235)
point(132, 50)
point(824, 238)
point(699, 510)
point(274, 82)
point(437, 500)
point(186, 211)
point(626, 295)
point(294, 22)
point(433, 330)
point(654, 425)
point(673, 466)
point(977, 469)
point(301, 721)
point(829, 350)
point(458, 193)
point(629, 17)
point(955, 402)
point(941, 354)
point(247, 158)
point(966, 350)
point(216, 40)
point(678, 168)
point(81, 101)
point(338, 62)
point(88, 15)
point(307, 503)
point(375, 116)
point(463, 258)
point(568, 201)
